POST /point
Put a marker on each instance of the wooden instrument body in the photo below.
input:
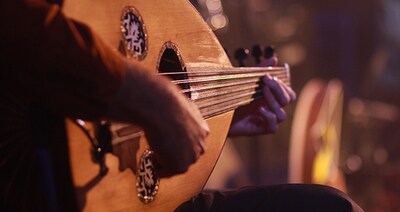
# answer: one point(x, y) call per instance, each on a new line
point(173, 21)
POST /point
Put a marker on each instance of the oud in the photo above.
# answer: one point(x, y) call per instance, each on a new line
point(172, 39)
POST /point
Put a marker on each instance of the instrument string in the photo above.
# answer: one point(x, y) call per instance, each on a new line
point(220, 78)
point(239, 70)
point(219, 91)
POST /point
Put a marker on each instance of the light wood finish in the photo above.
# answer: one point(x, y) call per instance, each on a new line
point(178, 22)
point(117, 190)
point(175, 21)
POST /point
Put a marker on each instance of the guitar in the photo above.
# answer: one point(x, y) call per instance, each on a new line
point(172, 38)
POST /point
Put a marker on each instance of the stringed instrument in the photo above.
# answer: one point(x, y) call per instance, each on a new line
point(315, 141)
point(169, 37)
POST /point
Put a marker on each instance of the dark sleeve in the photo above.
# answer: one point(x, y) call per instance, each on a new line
point(58, 63)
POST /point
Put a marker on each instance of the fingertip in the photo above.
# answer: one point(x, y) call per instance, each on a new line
point(291, 92)
point(284, 100)
point(294, 96)
point(281, 116)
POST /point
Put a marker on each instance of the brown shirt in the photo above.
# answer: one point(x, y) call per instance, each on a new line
point(51, 62)
point(57, 62)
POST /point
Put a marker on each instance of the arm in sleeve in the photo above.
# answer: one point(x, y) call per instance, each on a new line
point(65, 67)
point(55, 62)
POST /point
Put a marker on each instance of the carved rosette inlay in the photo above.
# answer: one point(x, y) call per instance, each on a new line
point(147, 181)
point(134, 35)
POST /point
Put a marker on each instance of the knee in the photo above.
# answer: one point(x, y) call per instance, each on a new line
point(332, 199)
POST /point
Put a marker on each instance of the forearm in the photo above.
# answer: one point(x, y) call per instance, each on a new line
point(148, 99)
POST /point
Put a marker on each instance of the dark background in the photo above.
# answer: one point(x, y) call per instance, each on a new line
point(357, 42)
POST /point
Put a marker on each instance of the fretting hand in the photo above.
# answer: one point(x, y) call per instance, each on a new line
point(263, 116)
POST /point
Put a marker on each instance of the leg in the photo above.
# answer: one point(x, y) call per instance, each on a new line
point(291, 197)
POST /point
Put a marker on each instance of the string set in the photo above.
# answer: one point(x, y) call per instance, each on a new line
point(218, 91)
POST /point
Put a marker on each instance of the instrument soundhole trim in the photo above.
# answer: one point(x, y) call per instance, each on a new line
point(170, 61)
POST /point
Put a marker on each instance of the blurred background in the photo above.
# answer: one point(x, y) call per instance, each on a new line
point(344, 129)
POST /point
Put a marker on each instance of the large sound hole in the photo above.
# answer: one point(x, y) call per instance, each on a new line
point(170, 63)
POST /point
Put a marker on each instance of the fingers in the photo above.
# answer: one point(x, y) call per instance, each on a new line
point(275, 98)
point(289, 91)
point(261, 123)
point(282, 93)
point(270, 120)
point(177, 163)
point(177, 148)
